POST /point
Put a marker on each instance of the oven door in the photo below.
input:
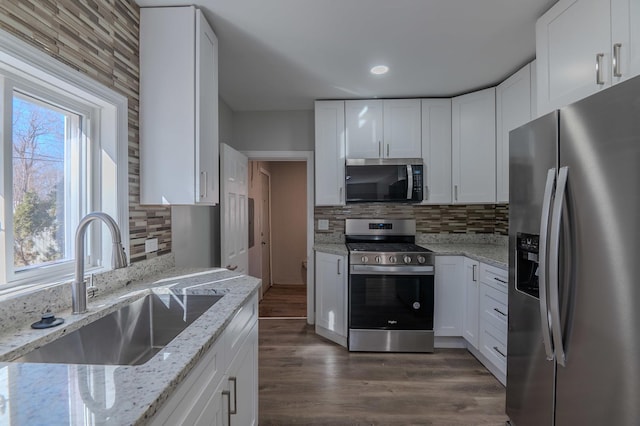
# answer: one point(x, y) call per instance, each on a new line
point(391, 297)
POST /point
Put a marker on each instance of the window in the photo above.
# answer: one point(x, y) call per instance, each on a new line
point(49, 175)
point(63, 155)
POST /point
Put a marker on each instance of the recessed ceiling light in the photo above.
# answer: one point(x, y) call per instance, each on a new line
point(379, 69)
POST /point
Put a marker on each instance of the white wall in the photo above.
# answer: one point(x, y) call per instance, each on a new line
point(273, 130)
point(225, 122)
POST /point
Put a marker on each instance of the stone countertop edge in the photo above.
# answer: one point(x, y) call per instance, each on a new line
point(139, 391)
point(493, 254)
point(331, 248)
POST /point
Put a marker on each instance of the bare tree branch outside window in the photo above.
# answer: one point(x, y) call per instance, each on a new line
point(38, 182)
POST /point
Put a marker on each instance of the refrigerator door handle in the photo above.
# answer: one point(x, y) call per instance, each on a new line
point(542, 266)
point(554, 253)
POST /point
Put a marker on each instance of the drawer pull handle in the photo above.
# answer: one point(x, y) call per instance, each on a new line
point(500, 312)
point(235, 396)
point(228, 395)
point(495, 348)
point(501, 281)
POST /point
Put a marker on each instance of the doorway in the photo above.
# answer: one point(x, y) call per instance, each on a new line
point(278, 256)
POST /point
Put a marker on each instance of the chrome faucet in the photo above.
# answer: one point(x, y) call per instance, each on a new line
point(118, 258)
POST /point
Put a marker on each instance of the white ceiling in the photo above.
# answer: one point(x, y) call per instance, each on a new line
point(283, 54)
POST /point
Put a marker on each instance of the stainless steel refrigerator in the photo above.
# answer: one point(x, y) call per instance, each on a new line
point(574, 264)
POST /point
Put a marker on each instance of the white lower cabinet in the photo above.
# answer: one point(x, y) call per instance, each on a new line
point(243, 382)
point(471, 297)
point(448, 292)
point(470, 302)
point(493, 318)
point(222, 388)
point(331, 297)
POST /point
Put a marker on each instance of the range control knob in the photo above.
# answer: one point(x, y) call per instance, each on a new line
point(392, 259)
point(407, 259)
point(421, 259)
point(364, 259)
point(378, 259)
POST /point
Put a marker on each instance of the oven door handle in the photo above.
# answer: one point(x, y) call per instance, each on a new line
point(391, 270)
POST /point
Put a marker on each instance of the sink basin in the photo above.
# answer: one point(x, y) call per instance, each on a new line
point(131, 335)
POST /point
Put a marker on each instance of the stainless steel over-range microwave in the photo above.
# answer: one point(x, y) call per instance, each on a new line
point(384, 180)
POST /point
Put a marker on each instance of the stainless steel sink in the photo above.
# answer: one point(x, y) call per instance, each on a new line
point(131, 335)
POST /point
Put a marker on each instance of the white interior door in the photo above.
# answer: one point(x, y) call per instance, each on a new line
point(234, 220)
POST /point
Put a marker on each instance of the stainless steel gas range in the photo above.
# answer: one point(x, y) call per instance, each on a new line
point(391, 285)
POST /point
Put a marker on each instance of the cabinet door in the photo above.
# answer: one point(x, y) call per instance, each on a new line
point(329, 153)
point(243, 382)
point(625, 32)
point(178, 108)
point(513, 109)
point(449, 292)
point(215, 411)
point(331, 297)
point(207, 148)
point(470, 321)
point(364, 128)
point(436, 150)
point(474, 147)
point(402, 128)
point(568, 39)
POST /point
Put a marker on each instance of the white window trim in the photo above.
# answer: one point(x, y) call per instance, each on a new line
point(20, 58)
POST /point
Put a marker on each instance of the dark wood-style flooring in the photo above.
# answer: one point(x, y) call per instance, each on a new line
point(306, 380)
point(284, 300)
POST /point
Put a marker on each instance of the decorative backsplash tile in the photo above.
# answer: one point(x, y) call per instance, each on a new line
point(99, 39)
point(438, 219)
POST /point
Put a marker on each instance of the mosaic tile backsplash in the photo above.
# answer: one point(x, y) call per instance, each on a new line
point(99, 39)
point(439, 219)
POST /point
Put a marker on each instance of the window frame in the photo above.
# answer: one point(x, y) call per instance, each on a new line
point(31, 71)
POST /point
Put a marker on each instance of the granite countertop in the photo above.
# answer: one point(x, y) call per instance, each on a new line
point(65, 394)
point(492, 254)
point(332, 248)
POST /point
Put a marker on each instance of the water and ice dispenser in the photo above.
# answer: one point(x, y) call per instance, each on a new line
point(527, 263)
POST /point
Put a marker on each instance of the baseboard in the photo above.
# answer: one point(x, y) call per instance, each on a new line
point(330, 335)
point(447, 342)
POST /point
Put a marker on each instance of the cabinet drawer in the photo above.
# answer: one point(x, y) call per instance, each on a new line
point(493, 349)
point(494, 311)
point(495, 277)
point(241, 324)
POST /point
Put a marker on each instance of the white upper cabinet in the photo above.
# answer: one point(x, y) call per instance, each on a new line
point(364, 128)
point(473, 135)
point(402, 128)
point(625, 39)
point(513, 109)
point(178, 107)
point(383, 129)
point(584, 46)
point(329, 153)
point(436, 150)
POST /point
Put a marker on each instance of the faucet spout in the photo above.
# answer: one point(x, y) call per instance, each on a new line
point(119, 259)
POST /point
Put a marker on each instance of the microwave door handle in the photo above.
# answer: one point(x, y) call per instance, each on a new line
point(409, 181)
